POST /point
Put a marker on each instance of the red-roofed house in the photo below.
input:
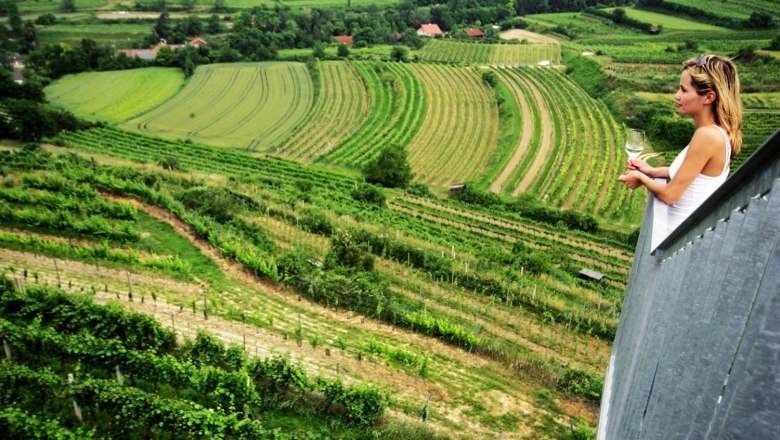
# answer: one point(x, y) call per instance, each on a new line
point(429, 30)
point(474, 33)
point(344, 39)
point(197, 41)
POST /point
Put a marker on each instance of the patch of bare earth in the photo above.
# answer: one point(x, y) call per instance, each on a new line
point(541, 158)
point(532, 37)
point(525, 138)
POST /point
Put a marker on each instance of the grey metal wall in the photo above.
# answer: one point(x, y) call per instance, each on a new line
point(697, 351)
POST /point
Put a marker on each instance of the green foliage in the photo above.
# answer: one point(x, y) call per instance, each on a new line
point(316, 221)
point(586, 73)
point(364, 404)
point(587, 384)
point(345, 251)
point(399, 53)
point(670, 133)
point(46, 20)
point(218, 203)
point(390, 168)
point(343, 51)
point(368, 193)
point(490, 78)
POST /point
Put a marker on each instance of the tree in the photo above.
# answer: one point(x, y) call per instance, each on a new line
point(343, 51)
point(399, 53)
point(760, 20)
point(165, 56)
point(775, 43)
point(318, 51)
point(14, 18)
point(68, 6)
point(46, 20)
point(29, 37)
point(213, 26)
point(162, 29)
point(390, 168)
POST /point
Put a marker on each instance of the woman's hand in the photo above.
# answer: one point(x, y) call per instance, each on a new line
point(641, 166)
point(631, 178)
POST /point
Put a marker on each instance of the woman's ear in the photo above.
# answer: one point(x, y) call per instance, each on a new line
point(710, 97)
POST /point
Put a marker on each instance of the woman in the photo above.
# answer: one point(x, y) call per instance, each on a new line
point(709, 91)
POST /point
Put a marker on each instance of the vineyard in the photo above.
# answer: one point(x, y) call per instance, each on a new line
point(459, 133)
point(560, 162)
point(250, 106)
point(455, 273)
point(115, 96)
point(341, 107)
point(395, 101)
point(211, 263)
point(489, 54)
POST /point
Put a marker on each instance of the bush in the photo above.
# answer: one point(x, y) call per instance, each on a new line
point(369, 194)
point(670, 133)
point(46, 20)
point(347, 252)
point(418, 190)
point(490, 78)
point(315, 221)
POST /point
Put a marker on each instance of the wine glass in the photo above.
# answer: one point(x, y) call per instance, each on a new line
point(635, 143)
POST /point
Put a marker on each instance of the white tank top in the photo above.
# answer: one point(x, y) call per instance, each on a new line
point(698, 191)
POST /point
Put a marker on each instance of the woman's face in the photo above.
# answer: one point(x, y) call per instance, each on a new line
point(688, 101)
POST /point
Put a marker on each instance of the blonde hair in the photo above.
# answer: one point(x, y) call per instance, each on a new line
point(719, 75)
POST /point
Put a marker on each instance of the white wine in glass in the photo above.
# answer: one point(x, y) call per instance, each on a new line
point(635, 143)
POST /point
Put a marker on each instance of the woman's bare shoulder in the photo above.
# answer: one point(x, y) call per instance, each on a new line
point(708, 138)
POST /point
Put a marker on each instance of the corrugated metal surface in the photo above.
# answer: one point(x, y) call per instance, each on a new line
point(697, 352)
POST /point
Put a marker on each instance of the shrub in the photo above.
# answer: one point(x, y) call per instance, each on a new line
point(315, 221)
point(345, 251)
point(369, 194)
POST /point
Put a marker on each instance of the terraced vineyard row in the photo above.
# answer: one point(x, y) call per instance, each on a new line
point(489, 54)
point(341, 109)
point(575, 159)
point(195, 157)
point(252, 105)
point(395, 114)
point(460, 129)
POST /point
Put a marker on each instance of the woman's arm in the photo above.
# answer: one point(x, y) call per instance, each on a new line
point(703, 147)
point(643, 167)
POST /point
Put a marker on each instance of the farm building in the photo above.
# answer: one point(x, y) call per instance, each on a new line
point(344, 39)
point(474, 33)
point(429, 30)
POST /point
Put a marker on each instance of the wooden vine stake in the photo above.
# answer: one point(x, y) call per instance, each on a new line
point(76, 408)
point(7, 349)
point(119, 378)
point(57, 269)
point(205, 305)
point(427, 406)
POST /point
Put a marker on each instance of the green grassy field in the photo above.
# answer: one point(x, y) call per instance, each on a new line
point(56, 5)
point(121, 35)
point(117, 96)
point(668, 22)
point(735, 8)
point(250, 105)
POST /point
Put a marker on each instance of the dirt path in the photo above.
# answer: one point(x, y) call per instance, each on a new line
point(546, 145)
point(525, 139)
